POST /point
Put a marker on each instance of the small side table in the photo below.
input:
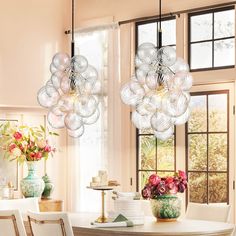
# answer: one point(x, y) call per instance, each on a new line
point(46, 205)
point(102, 218)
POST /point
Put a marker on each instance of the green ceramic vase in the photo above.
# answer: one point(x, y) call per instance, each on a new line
point(32, 185)
point(49, 187)
point(166, 207)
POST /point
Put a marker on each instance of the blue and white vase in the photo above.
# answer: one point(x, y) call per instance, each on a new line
point(32, 185)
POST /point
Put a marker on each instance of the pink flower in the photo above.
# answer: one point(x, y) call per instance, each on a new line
point(146, 192)
point(47, 148)
point(17, 135)
point(38, 155)
point(169, 180)
point(42, 144)
point(182, 175)
point(16, 152)
point(12, 146)
point(154, 179)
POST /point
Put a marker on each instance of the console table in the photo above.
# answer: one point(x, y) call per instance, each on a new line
point(82, 227)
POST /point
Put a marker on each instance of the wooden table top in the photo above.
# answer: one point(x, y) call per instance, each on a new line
point(82, 226)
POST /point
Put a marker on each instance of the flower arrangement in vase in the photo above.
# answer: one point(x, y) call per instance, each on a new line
point(162, 191)
point(30, 145)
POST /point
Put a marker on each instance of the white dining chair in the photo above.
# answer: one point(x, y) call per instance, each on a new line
point(210, 212)
point(23, 205)
point(48, 224)
point(11, 223)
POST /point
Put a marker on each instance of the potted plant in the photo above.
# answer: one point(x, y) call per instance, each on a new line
point(30, 145)
point(162, 191)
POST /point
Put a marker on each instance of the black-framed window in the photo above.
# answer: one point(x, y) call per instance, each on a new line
point(147, 31)
point(212, 39)
point(153, 155)
point(207, 147)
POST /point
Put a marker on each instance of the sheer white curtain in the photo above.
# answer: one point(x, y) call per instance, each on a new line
point(89, 153)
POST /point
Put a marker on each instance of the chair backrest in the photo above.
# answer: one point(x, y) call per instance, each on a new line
point(11, 223)
point(23, 205)
point(208, 212)
point(48, 224)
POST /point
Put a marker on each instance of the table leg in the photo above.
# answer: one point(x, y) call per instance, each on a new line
point(102, 218)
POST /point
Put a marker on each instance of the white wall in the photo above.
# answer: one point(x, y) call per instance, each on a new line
point(32, 31)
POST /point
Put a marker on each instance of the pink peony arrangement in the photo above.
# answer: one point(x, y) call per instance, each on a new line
point(25, 143)
point(158, 186)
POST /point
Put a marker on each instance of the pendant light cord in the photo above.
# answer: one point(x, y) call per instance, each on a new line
point(159, 30)
point(72, 31)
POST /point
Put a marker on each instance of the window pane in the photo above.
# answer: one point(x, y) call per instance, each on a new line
point(168, 32)
point(201, 55)
point(224, 51)
point(198, 187)
point(217, 187)
point(224, 24)
point(145, 131)
point(197, 152)
point(165, 154)
point(198, 118)
point(217, 112)
point(143, 178)
point(147, 33)
point(164, 174)
point(218, 152)
point(201, 27)
point(147, 154)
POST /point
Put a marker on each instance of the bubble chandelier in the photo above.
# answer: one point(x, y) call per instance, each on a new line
point(159, 91)
point(71, 94)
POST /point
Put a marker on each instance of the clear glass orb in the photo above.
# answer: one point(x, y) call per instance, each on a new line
point(180, 120)
point(141, 122)
point(166, 56)
point(79, 63)
point(138, 61)
point(165, 135)
point(144, 108)
point(90, 74)
point(128, 96)
point(97, 88)
point(136, 88)
point(147, 53)
point(56, 78)
point(180, 65)
point(175, 103)
point(155, 101)
point(73, 121)
point(61, 61)
point(45, 100)
point(183, 80)
point(85, 106)
point(57, 110)
point(65, 84)
point(56, 121)
point(142, 72)
point(76, 133)
point(152, 80)
point(66, 102)
point(52, 91)
point(160, 122)
point(92, 119)
point(53, 69)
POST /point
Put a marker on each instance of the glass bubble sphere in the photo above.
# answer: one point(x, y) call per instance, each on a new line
point(141, 122)
point(53, 69)
point(90, 74)
point(152, 80)
point(61, 61)
point(76, 133)
point(142, 72)
point(183, 80)
point(56, 78)
point(166, 56)
point(147, 52)
point(56, 121)
point(66, 102)
point(160, 122)
point(73, 121)
point(165, 135)
point(79, 63)
point(65, 84)
point(175, 103)
point(128, 96)
point(45, 100)
point(180, 65)
point(92, 119)
point(85, 106)
point(180, 120)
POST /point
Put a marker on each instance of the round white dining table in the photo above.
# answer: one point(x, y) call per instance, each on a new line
point(81, 223)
